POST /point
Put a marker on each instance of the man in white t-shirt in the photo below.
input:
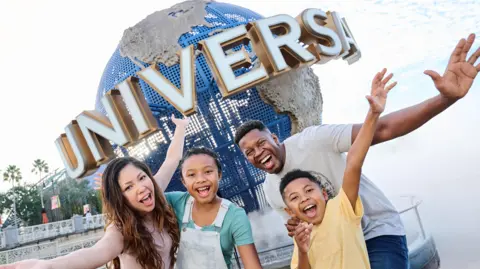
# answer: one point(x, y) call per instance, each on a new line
point(320, 150)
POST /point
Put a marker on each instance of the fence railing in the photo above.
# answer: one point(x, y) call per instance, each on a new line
point(3, 243)
point(413, 203)
point(30, 234)
point(44, 251)
point(94, 222)
point(44, 231)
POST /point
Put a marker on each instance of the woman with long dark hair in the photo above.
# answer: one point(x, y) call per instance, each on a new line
point(141, 227)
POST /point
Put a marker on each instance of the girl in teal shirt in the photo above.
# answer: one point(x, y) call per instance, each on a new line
point(210, 227)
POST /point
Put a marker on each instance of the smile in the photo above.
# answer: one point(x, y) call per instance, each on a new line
point(310, 211)
point(147, 200)
point(203, 191)
point(266, 159)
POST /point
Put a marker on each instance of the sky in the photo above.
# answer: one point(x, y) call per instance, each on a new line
point(53, 53)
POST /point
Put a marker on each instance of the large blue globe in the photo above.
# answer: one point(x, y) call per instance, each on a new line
point(216, 119)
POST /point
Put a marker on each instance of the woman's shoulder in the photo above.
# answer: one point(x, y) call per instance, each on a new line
point(111, 230)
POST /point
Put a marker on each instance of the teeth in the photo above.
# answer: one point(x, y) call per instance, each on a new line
point(266, 159)
point(308, 207)
point(203, 188)
point(146, 197)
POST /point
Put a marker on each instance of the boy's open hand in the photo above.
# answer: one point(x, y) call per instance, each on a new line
point(302, 236)
point(378, 97)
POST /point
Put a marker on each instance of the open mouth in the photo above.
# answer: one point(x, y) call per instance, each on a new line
point(310, 211)
point(203, 191)
point(267, 162)
point(147, 200)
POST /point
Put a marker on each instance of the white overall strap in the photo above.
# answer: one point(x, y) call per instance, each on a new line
point(200, 249)
point(188, 210)
point(221, 213)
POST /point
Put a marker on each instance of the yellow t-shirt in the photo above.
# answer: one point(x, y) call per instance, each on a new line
point(337, 242)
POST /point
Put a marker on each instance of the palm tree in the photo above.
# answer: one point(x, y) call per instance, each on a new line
point(13, 175)
point(39, 167)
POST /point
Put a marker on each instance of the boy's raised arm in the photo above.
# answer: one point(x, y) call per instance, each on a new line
point(358, 151)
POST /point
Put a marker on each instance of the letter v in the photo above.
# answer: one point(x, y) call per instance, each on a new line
point(183, 100)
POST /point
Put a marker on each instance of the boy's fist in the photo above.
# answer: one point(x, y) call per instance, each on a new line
point(302, 236)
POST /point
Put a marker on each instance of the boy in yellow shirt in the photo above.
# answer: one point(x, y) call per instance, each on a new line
point(330, 235)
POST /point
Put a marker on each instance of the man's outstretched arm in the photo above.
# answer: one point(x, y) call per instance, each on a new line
point(404, 121)
point(453, 85)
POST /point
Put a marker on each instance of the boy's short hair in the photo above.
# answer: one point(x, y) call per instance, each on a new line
point(246, 127)
point(294, 175)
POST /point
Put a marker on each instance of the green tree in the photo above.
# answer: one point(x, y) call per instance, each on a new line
point(73, 195)
point(97, 202)
point(39, 167)
point(27, 203)
point(13, 175)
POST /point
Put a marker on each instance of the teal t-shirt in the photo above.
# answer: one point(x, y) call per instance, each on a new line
point(235, 231)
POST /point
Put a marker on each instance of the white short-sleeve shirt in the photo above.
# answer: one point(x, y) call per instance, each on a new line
point(320, 150)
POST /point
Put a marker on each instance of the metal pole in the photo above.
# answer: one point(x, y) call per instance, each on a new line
point(14, 208)
point(420, 223)
point(41, 190)
point(15, 212)
point(422, 230)
point(41, 197)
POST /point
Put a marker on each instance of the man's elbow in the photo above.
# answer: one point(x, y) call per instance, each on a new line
point(383, 133)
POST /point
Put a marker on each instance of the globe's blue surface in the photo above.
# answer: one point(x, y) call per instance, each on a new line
point(216, 120)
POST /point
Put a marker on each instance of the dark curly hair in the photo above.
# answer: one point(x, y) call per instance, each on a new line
point(294, 175)
point(246, 127)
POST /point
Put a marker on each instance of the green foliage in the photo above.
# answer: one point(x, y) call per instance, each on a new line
point(39, 167)
point(73, 195)
point(12, 174)
point(27, 201)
